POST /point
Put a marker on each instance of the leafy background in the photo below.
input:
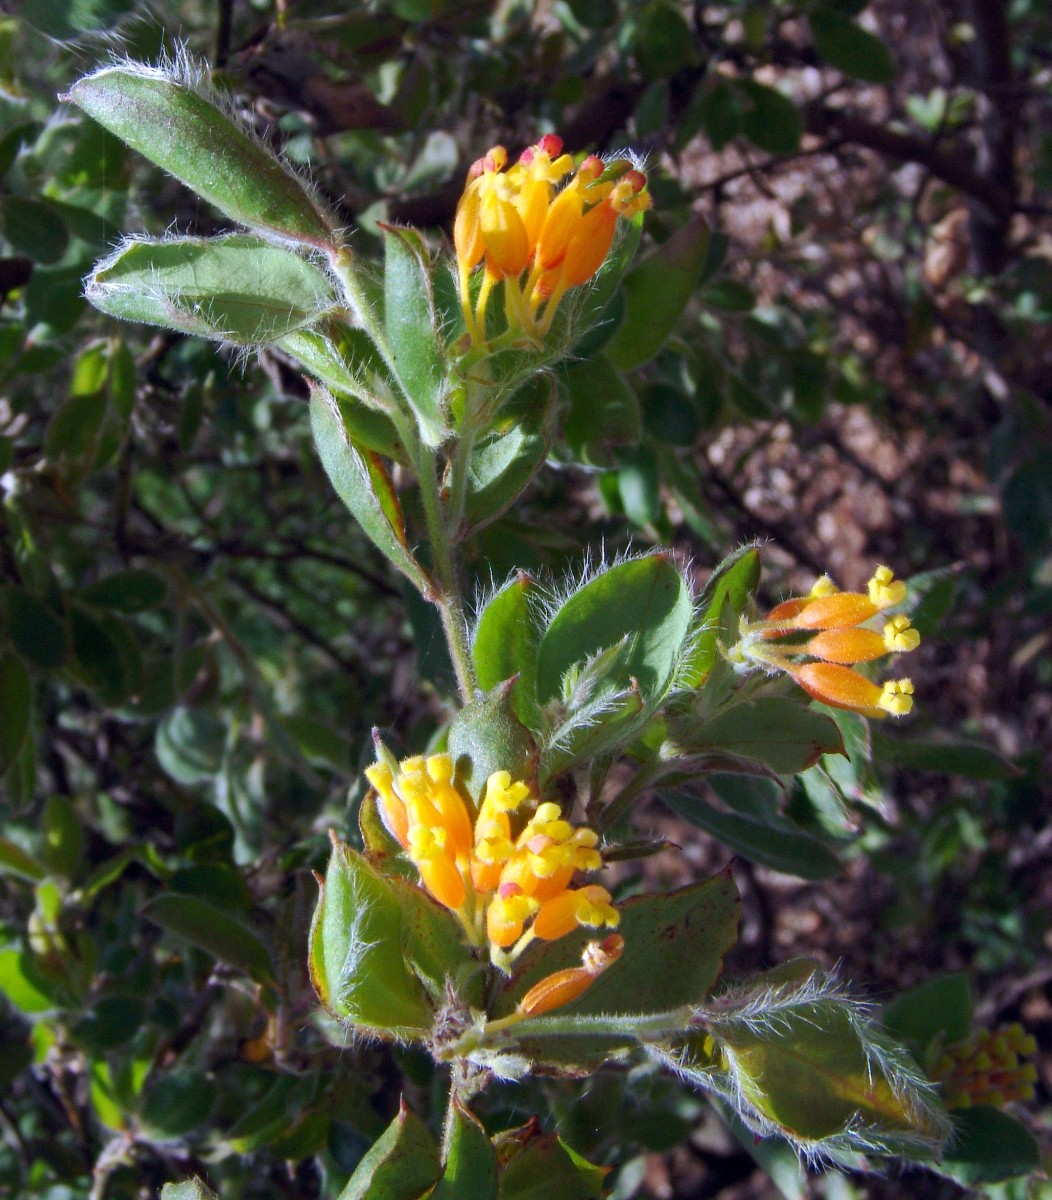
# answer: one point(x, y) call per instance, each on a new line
point(195, 639)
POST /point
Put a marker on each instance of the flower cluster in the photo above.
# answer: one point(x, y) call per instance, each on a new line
point(505, 874)
point(536, 241)
point(987, 1068)
point(818, 639)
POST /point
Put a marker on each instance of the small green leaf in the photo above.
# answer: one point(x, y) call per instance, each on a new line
point(503, 463)
point(356, 960)
point(642, 606)
point(363, 486)
point(16, 704)
point(505, 644)
point(402, 1165)
point(940, 1007)
point(545, 1168)
point(130, 591)
point(721, 603)
point(756, 830)
point(189, 745)
point(35, 629)
point(969, 759)
point(193, 1189)
point(236, 289)
point(214, 931)
point(603, 412)
point(412, 326)
point(656, 292)
point(470, 1171)
point(33, 229)
point(770, 119)
point(434, 947)
point(99, 656)
point(988, 1146)
point(487, 736)
point(63, 836)
point(173, 125)
point(178, 1103)
point(844, 44)
point(22, 985)
point(13, 859)
point(721, 111)
point(782, 735)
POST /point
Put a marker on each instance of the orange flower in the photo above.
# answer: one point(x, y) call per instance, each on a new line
point(840, 638)
point(505, 887)
point(534, 242)
point(987, 1068)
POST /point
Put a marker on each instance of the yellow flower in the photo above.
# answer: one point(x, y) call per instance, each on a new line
point(507, 879)
point(817, 639)
point(987, 1068)
point(536, 243)
point(563, 987)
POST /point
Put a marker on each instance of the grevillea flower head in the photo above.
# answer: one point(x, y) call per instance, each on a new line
point(534, 239)
point(987, 1068)
point(819, 639)
point(506, 871)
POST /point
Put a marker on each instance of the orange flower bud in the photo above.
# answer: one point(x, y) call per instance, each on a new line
point(851, 645)
point(838, 611)
point(563, 987)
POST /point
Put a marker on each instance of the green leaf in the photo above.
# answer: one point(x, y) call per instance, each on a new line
point(63, 836)
point(237, 289)
point(487, 736)
point(402, 1165)
point(812, 1068)
point(755, 829)
point(503, 464)
point(15, 861)
point(412, 331)
point(505, 644)
point(643, 607)
point(37, 633)
point(692, 927)
point(131, 591)
point(193, 1189)
point(99, 656)
point(214, 931)
point(470, 1171)
point(189, 745)
point(172, 124)
point(362, 484)
point(844, 44)
point(770, 119)
point(356, 960)
point(988, 1146)
point(33, 229)
point(545, 1168)
point(603, 412)
point(721, 603)
point(721, 111)
point(943, 757)
point(782, 735)
point(434, 947)
point(21, 984)
point(16, 704)
point(656, 292)
point(939, 1007)
point(178, 1103)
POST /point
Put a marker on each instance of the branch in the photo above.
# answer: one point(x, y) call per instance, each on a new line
point(946, 165)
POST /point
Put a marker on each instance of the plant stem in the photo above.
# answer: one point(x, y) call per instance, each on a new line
point(446, 597)
point(642, 779)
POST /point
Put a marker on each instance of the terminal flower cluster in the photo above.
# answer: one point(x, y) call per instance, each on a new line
point(505, 871)
point(987, 1068)
point(820, 638)
point(537, 241)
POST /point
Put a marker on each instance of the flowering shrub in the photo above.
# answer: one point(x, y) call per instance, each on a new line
point(466, 922)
